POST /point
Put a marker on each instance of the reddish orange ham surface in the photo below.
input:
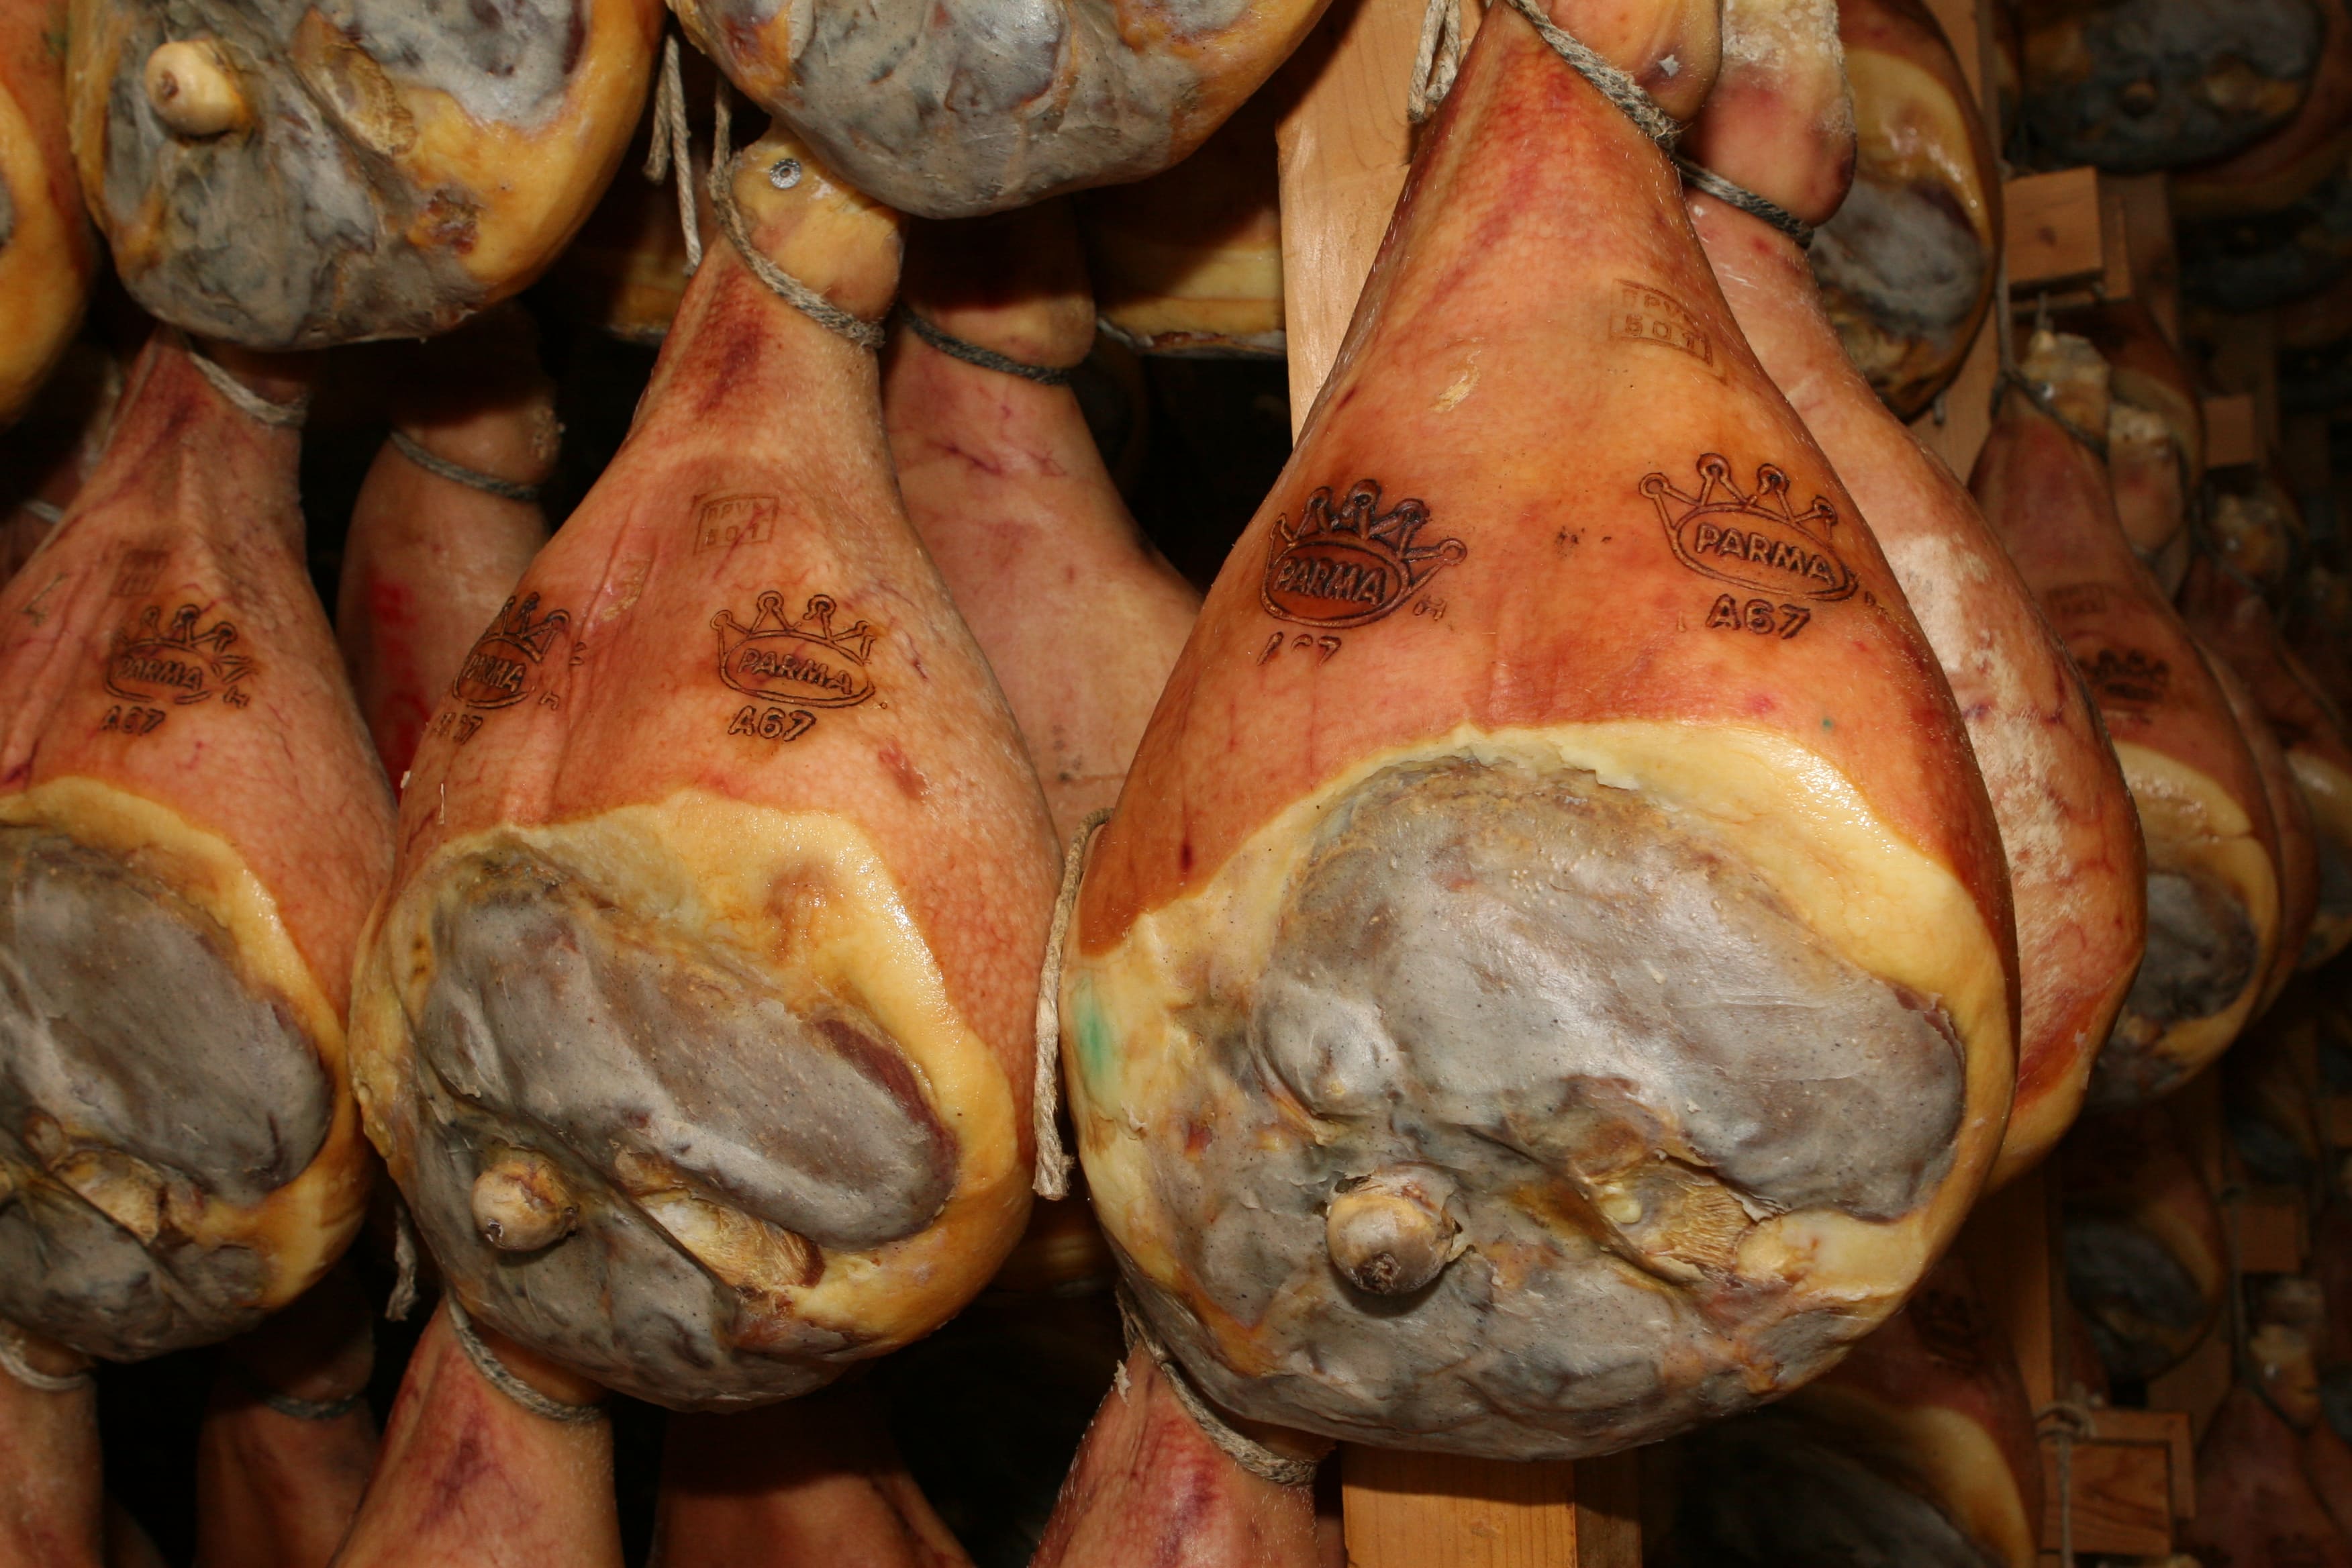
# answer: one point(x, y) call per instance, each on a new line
point(192, 830)
point(698, 1025)
point(2214, 920)
point(1773, 126)
point(1554, 772)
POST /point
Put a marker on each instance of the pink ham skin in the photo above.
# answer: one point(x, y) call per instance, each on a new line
point(51, 1505)
point(471, 1479)
point(2255, 1505)
point(1149, 1486)
point(815, 1482)
point(2076, 872)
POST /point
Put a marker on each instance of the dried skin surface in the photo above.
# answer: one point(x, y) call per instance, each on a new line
point(2255, 1506)
point(2293, 842)
point(1906, 265)
point(52, 1503)
point(47, 255)
point(2138, 87)
point(390, 168)
point(191, 830)
point(1149, 1487)
point(2213, 909)
point(1080, 617)
point(2067, 828)
point(723, 886)
point(1305, 846)
point(945, 110)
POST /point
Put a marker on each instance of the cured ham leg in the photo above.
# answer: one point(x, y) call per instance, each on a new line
point(2255, 1506)
point(813, 1483)
point(2212, 886)
point(1080, 617)
point(190, 832)
point(2155, 436)
point(1446, 1008)
point(434, 549)
point(272, 176)
point(287, 1444)
point(1906, 263)
point(1149, 1486)
point(471, 1479)
point(697, 1028)
point(2142, 1239)
point(47, 251)
point(52, 1505)
point(2072, 846)
point(2223, 610)
point(1917, 1448)
point(2292, 842)
point(2293, 161)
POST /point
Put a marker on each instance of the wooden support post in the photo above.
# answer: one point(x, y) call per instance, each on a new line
point(1343, 147)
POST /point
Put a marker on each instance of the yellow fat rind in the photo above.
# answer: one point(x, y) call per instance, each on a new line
point(42, 284)
point(298, 1231)
point(725, 871)
point(1801, 825)
point(1924, 137)
point(2198, 822)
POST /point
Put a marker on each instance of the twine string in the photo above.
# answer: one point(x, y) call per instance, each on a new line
point(1053, 1178)
point(502, 1377)
point(1239, 1446)
point(408, 446)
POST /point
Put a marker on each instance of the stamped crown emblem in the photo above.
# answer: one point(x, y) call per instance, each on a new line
point(498, 673)
point(1754, 538)
point(152, 661)
point(1349, 562)
point(805, 662)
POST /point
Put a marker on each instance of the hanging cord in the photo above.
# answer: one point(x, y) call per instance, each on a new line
point(261, 410)
point(1612, 84)
point(2068, 1421)
point(1239, 1446)
point(300, 1409)
point(408, 446)
point(48, 511)
point(1053, 1178)
point(1708, 183)
point(1438, 61)
point(2046, 399)
point(502, 1378)
point(19, 1364)
point(986, 358)
point(673, 147)
point(784, 174)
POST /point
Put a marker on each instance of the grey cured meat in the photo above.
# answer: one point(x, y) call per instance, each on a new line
point(2138, 84)
point(952, 108)
point(286, 175)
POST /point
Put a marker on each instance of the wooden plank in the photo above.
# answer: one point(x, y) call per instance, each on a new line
point(2245, 360)
point(2169, 1430)
point(1342, 149)
point(2057, 233)
point(1609, 1511)
point(2121, 1494)
point(1443, 1510)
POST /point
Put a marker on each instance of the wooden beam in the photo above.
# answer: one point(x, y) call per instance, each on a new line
point(1342, 149)
point(2060, 233)
point(2246, 361)
point(2121, 1495)
point(1441, 1510)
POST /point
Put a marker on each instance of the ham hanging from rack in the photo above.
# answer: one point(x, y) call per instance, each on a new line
point(292, 176)
point(2142, 1242)
point(2213, 893)
point(1396, 1017)
point(697, 1025)
point(2072, 843)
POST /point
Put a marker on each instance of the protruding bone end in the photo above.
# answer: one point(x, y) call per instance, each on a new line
point(521, 1203)
point(193, 90)
point(1389, 1233)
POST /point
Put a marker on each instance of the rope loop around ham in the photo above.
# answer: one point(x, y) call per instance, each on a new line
point(19, 1365)
point(1053, 1178)
point(441, 467)
point(979, 354)
point(867, 335)
point(502, 1377)
point(1242, 1450)
point(261, 410)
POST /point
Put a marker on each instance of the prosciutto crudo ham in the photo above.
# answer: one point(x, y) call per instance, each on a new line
point(433, 557)
point(1905, 262)
point(1917, 1448)
point(190, 832)
point(1555, 849)
point(47, 252)
point(2256, 1506)
point(697, 1025)
point(2213, 904)
point(287, 175)
point(2142, 1242)
point(2292, 842)
point(952, 111)
point(2136, 85)
point(2292, 161)
point(1773, 126)
point(2155, 434)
